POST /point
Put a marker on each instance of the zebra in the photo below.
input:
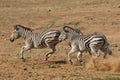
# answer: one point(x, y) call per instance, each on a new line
point(46, 38)
point(81, 43)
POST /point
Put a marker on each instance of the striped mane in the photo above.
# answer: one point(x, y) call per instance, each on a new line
point(26, 28)
point(69, 29)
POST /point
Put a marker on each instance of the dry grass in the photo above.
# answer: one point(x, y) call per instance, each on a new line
point(111, 64)
point(87, 15)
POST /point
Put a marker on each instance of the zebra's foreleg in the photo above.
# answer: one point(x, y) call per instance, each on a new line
point(79, 57)
point(70, 53)
point(24, 48)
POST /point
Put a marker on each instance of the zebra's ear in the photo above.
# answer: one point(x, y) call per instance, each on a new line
point(65, 29)
point(16, 27)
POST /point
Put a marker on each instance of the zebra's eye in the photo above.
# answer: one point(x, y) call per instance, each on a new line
point(66, 31)
point(16, 28)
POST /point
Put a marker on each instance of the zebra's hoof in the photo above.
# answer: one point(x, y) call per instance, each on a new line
point(82, 62)
point(70, 62)
point(23, 60)
point(45, 59)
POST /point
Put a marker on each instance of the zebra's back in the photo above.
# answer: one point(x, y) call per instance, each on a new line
point(95, 40)
point(84, 42)
point(48, 36)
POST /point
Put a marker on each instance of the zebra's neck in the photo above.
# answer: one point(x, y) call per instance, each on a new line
point(72, 36)
point(25, 34)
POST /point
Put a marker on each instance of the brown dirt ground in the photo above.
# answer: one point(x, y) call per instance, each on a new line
point(89, 16)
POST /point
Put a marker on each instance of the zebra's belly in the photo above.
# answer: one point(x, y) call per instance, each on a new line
point(40, 46)
point(82, 48)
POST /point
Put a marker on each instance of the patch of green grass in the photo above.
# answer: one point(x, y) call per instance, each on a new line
point(96, 78)
point(107, 78)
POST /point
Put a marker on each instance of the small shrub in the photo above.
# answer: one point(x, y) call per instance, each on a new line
point(72, 23)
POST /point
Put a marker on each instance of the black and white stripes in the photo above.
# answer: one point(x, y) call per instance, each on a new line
point(47, 38)
point(81, 43)
point(50, 38)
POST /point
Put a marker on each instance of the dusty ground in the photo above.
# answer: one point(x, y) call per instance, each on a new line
point(89, 16)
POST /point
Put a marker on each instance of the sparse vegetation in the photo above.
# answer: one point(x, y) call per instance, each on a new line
point(86, 15)
point(75, 23)
point(108, 78)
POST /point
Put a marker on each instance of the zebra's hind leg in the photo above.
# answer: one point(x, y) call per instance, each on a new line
point(106, 51)
point(95, 50)
point(48, 54)
point(24, 48)
point(89, 52)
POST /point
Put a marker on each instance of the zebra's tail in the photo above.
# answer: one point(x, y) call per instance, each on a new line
point(106, 45)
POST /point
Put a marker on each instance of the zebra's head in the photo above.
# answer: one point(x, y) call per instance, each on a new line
point(68, 32)
point(18, 29)
point(68, 29)
point(63, 36)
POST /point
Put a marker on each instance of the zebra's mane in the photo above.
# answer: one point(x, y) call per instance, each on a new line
point(26, 28)
point(67, 28)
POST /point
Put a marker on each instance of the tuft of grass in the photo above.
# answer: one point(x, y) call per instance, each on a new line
point(72, 23)
point(28, 57)
point(107, 78)
point(96, 78)
point(51, 66)
point(54, 26)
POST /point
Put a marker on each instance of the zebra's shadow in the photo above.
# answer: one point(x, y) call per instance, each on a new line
point(55, 62)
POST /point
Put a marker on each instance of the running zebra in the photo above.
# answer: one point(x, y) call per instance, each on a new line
point(81, 43)
point(47, 38)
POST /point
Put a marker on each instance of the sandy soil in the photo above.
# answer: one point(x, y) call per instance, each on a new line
point(89, 16)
